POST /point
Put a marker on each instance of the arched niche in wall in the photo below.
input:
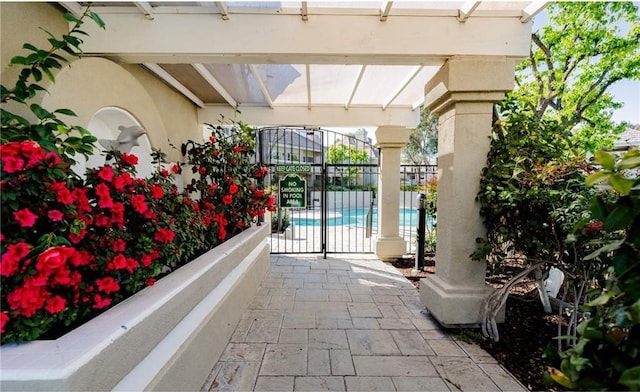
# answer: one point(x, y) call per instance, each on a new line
point(106, 124)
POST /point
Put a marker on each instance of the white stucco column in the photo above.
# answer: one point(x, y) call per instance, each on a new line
point(390, 140)
point(462, 94)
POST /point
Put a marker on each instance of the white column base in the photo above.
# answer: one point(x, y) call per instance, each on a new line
point(390, 248)
point(454, 306)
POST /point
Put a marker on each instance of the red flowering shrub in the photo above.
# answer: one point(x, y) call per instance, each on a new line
point(224, 166)
point(72, 248)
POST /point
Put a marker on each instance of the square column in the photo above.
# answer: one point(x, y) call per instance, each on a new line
point(462, 94)
point(390, 140)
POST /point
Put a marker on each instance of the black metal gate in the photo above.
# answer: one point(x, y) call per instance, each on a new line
point(341, 175)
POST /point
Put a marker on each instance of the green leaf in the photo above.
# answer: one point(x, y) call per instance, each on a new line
point(39, 111)
point(597, 177)
point(619, 218)
point(603, 299)
point(598, 208)
point(631, 378)
point(607, 160)
point(621, 184)
point(30, 47)
point(67, 112)
point(71, 18)
point(611, 246)
point(19, 60)
point(630, 160)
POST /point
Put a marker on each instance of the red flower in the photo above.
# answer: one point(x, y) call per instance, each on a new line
point(55, 304)
point(237, 149)
point(53, 259)
point(80, 258)
point(131, 264)
point(202, 170)
point(595, 226)
point(99, 302)
point(119, 245)
point(262, 171)
point(156, 191)
point(164, 173)
point(26, 300)
point(118, 262)
point(139, 204)
point(25, 217)
point(4, 319)
point(64, 194)
point(55, 215)
point(108, 285)
point(233, 189)
point(11, 258)
point(227, 199)
point(150, 282)
point(212, 139)
point(270, 201)
point(129, 159)
point(11, 164)
point(104, 197)
point(259, 192)
point(164, 235)
point(176, 169)
point(122, 180)
point(106, 173)
point(53, 158)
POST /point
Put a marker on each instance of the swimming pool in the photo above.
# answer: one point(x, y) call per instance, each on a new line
point(350, 217)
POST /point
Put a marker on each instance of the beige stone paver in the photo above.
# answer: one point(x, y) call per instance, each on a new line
point(347, 323)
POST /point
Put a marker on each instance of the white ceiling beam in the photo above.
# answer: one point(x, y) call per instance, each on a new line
point(213, 82)
point(266, 39)
point(384, 10)
point(307, 70)
point(532, 9)
point(145, 8)
point(73, 7)
point(355, 86)
point(222, 8)
point(261, 84)
point(320, 116)
point(164, 75)
point(465, 11)
point(304, 12)
point(404, 85)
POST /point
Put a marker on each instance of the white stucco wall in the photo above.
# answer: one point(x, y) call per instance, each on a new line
point(91, 84)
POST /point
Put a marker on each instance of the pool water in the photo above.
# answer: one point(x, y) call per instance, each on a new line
point(351, 217)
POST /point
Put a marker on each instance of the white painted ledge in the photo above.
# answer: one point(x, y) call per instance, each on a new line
point(166, 337)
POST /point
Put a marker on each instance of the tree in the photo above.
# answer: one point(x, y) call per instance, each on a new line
point(574, 60)
point(340, 153)
point(423, 142)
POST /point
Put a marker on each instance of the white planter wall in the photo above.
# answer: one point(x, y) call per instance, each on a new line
point(166, 337)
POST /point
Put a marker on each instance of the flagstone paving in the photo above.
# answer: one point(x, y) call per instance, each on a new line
point(347, 323)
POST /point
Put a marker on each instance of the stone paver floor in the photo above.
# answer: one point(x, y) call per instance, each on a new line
point(347, 323)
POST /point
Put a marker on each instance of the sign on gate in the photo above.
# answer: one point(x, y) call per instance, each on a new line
point(293, 192)
point(304, 168)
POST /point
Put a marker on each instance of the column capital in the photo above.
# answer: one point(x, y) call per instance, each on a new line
point(392, 136)
point(470, 79)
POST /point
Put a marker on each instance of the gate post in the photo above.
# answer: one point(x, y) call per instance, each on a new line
point(390, 139)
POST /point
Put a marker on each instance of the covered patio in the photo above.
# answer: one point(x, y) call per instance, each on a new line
point(347, 64)
point(175, 66)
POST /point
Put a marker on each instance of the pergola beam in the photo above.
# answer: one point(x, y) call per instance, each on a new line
point(304, 12)
point(261, 84)
point(146, 8)
point(384, 10)
point(532, 10)
point(73, 7)
point(355, 86)
point(266, 39)
point(164, 75)
point(222, 8)
point(402, 87)
point(307, 70)
point(213, 82)
point(465, 11)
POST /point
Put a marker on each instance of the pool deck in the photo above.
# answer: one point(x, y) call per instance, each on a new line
point(347, 323)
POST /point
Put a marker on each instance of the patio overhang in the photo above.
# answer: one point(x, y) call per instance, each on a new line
point(306, 63)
